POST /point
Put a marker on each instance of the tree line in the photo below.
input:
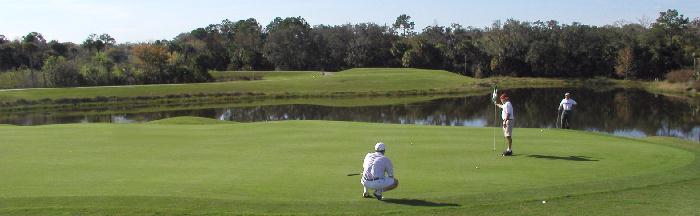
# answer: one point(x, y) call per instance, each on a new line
point(509, 48)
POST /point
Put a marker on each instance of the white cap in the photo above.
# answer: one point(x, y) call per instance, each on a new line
point(380, 146)
point(567, 94)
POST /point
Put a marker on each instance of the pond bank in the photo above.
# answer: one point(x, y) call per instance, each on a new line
point(377, 82)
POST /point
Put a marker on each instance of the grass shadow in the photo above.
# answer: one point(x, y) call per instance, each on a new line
point(569, 158)
point(417, 202)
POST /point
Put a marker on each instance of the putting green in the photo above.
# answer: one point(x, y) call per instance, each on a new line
point(189, 166)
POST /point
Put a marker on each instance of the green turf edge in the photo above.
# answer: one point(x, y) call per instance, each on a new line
point(189, 120)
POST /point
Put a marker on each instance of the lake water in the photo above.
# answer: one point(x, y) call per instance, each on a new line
point(621, 112)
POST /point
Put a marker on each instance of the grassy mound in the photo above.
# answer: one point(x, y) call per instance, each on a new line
point(354, 82)
point(302, 167)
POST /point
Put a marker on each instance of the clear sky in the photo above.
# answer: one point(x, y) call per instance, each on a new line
point(147, 20)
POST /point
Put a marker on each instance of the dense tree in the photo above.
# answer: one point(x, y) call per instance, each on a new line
point(664, 43)
point(153, 60)
point(404, 23)
point(289, 44)
point(246, 45)
point(645, 50)
point(32, 54)
point(508, 44)
point(332, 45)
point(371, 46)
point(98, 43)
point(62, 73)
point(7, 53)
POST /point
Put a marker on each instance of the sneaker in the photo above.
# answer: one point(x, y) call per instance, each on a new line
point(378, 196)
point(366, 195)
point(507, 153)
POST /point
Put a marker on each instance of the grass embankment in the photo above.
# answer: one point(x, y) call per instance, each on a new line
point(361, 86)
point(355, 82)
point(191, 166)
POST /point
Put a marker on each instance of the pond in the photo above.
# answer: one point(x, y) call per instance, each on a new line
point(624, 112)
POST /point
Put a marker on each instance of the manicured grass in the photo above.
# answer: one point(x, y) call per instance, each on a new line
point(366, 81)
point(221, 76)
point(361, 82)
point(198, 166)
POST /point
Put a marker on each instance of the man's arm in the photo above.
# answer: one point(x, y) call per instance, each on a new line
point(389, 168)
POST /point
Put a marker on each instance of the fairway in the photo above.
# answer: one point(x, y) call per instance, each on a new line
point(200, 166)
point(353, 82)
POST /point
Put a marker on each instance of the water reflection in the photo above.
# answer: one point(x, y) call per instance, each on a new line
point(620, 112)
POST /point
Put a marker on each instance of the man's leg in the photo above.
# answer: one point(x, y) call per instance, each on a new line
point(561, 120)
point(565, 120)
point(510, 143)
point(365, 189)
point(508, 134)
point(392, 186)
point(393, 183)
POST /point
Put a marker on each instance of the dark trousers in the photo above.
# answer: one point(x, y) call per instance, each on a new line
point(566, 119)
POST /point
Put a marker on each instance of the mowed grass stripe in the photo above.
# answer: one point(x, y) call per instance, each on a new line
point(190, 166)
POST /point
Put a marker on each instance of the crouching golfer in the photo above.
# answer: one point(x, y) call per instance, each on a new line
point(374, 167)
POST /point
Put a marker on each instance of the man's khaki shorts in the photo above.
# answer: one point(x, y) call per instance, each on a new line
point(508, 128)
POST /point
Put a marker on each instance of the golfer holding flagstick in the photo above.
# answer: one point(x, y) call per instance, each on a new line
point(508, 122)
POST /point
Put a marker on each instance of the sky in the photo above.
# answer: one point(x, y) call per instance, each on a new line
point(148, 20)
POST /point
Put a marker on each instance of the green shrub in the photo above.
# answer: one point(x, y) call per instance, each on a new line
point(23, 78)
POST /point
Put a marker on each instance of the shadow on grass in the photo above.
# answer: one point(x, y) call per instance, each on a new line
point(570, 158)
point(417, 202)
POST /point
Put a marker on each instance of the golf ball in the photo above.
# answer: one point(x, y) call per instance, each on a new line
point(543, 202)
point(477, 167)
point(541, 130)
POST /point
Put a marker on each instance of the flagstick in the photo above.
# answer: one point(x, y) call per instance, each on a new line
point(494, 127)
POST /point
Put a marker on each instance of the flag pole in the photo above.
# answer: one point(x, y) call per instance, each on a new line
point(494, 97)
point(494, 127)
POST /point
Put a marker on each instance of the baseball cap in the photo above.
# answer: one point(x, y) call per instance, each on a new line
point(567, 94)
point(380, 146)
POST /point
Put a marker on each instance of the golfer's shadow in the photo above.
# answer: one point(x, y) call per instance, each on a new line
point(570, 158)
point(417, 202)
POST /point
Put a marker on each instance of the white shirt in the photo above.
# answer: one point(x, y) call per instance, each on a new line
point(567, 104)
point(507, 108)
point(375, 165)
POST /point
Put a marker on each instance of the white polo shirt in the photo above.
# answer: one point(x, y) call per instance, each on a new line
point(567, 104)
point(375, 165)
point(507, 108)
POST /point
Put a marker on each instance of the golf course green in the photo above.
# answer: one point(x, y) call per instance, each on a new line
point(196, 166)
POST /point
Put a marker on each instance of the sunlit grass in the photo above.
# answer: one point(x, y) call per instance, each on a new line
point(198, 166)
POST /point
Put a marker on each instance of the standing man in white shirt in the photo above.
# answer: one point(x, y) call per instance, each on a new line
point(374, 167)
point(566, 107)
point(508, 122)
